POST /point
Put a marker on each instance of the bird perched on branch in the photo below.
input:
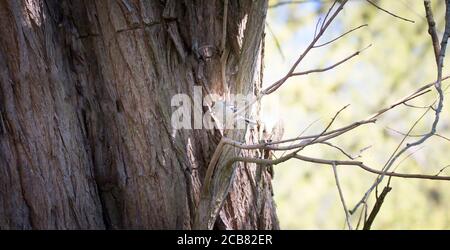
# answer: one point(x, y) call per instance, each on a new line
point(226, 114)
point(276, 134)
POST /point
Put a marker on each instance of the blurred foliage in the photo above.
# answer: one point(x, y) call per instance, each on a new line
point(400, 60)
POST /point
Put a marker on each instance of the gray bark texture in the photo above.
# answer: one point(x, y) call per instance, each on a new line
point(85, 113)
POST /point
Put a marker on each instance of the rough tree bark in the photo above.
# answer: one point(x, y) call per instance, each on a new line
point(85, 123)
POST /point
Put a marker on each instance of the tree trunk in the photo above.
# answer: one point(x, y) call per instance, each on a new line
point(86, 140)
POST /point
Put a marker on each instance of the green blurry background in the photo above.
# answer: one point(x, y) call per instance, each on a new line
point(400, 60)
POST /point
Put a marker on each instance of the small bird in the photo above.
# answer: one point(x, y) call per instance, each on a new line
point(275, 135)
point(277, 131)
point(227, 114)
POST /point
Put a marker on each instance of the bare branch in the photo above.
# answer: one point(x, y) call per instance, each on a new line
point(332, 66)
point(277, 42)
point(388, 164)
point(438, 89)
point(265, 162)
point(432, 29)
point(390, 13)
point(326, 135)
point(415, 106)
point(301, 133)
point(440, 102)
point(317, 27)
point(444, 41)
point(337, 38)
point(341, 195)
point(341, 150)
point(363, 212)
point(369, 169)
point(328, 13)
point(376, 208)
point(292, 2)
point(281, 3)
point(326, 24)
point(394, 155)
point(444, 168)
point(338, 131)
point(417, 135)
point(407, 157)
point(417, 93)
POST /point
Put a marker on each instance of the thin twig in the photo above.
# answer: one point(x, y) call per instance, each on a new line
point(341, 150)
point(438, 109)
point(417, 93)
point(363, 212)
point(328, 13)
point(369, 169)
point(376, 208)
point(281, 3)
point(407, 157)
point(337, 38)
point(444, 41)
point(432, 29)
point(301, 133)
point(331, 66)
point(438, 89)
point(388, 163)
point(277, 42)
point(418, 135)
point(317, 27)
point(390, 13)
point(265, 162)
point(415, 106)
point(341, 195)
point(326, 23)
point(440, 171)
point(324, 136)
